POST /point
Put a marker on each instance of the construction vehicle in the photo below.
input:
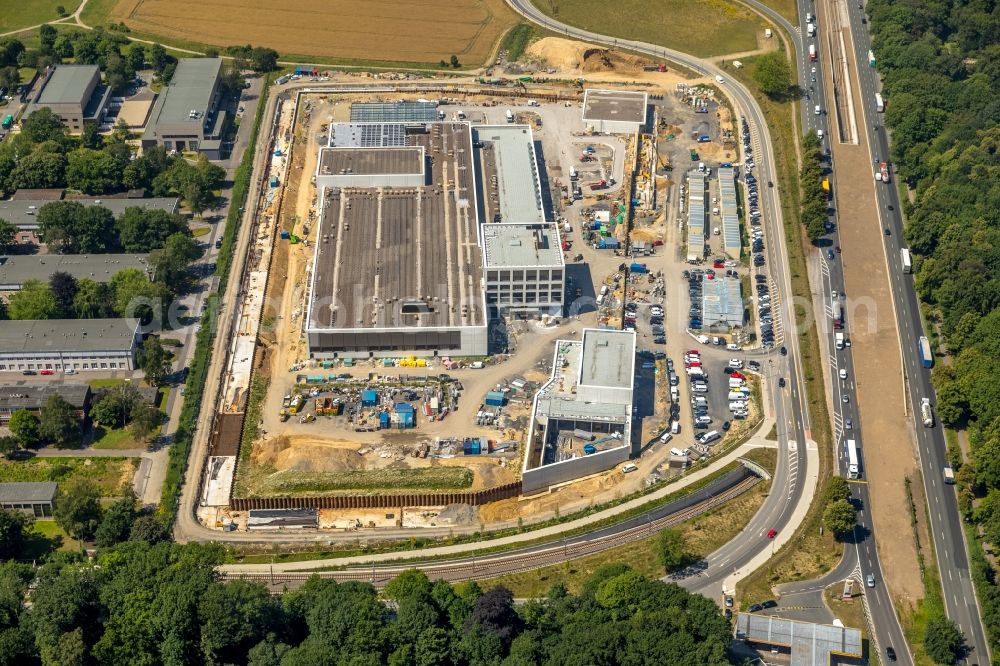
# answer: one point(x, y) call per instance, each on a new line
point(307, 418)
point(283, 414)
point(298, 402)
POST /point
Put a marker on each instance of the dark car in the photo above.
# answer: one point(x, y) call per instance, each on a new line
point(781, 382)
point(754, 608)
point(28, 372)
point(725, 425)
point(218, 244)
point(829, 255)
point(770, 603)
point(890, 654)
point(887, 232)
point(784, 351)
point(728, 613)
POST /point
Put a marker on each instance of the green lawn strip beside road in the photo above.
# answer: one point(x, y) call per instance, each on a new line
point(703, 535)
point(914, 620)
point(110, 474)
point(691, 26)
point(18, 14)
point(851, 612)
point(813, 551)
point(517, 40)
point(198, 365)
point(242, 555)
point(787, 8)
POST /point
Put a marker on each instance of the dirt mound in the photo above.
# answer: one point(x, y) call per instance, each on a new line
point(567, 54)
point(307, 455)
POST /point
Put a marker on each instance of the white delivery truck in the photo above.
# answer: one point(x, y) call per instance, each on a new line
point(811, 29)
point(510, 116)
point(838, 340)
point(906, 259)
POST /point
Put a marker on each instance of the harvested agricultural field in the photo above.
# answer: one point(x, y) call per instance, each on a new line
point(417, 31)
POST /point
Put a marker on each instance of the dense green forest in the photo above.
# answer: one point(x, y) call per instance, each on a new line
point(940, 66)
point(142, 604)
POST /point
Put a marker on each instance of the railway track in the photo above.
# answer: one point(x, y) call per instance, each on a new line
point(470, 568)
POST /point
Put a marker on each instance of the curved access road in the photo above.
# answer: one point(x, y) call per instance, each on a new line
point(798, 461)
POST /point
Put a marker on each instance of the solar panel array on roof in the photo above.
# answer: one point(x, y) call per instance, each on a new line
point(368, 135)
point(697, 192)
point(731, 241)
point(393, 112)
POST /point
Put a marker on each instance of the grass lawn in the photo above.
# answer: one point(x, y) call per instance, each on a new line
point(18, 14)
point(114, 438)
point(786, 8)
point(200, 231)
point(104, 383)
point(110, 474)
point(691, 26)
point(703, 535)
point(46, 537)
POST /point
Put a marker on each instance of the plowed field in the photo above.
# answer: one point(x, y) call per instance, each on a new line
point(417, 31)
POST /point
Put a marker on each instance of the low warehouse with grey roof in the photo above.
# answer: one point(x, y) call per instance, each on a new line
point(187, 115)
point(18, 269)
point(615, 111)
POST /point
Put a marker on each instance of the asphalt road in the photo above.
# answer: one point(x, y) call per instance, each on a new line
point(950, 546)
point(789, 403)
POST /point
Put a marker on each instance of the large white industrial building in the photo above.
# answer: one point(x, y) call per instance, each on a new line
point(525, 272)
point(581, 420)
point(697, 210)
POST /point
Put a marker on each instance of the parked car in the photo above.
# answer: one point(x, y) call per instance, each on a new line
point(48, 372)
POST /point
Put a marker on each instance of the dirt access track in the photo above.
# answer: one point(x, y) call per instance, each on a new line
point(887, 443)
point(372, 30)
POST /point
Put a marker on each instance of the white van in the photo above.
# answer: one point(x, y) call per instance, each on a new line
point(629, 467)
point(675, 428)
point(710, 436)
point(818, 110)
point(680, 452)
point(665, 437)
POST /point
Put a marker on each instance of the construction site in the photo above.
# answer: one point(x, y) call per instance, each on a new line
point(387, 358)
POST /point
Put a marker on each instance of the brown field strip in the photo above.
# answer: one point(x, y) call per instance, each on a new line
point(414, 31)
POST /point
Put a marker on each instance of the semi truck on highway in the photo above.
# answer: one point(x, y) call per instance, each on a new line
point(871, 58)
point(906, 260)
point(926, 412)
point(812, 52)
point(879, 103)
point(853, 466)
point(883, 169)
point(924, 347)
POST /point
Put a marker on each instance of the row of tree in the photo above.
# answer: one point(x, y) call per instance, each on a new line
point(814, 198)
point(161, 603)
point(940, 69)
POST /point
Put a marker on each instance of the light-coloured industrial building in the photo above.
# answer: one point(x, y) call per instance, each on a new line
point(186, 116)
point(398, 270)
point(731, 241)
point(69, 344)
point(512, 187)
point(15, 270)
point(74, 93)
point(23, 213)
point(722, 302)
point(697, 205)
point(615, 111)
point(34, 498)
point(800, 643)
point(403, 111)
point(525, 272)
point(581, 421)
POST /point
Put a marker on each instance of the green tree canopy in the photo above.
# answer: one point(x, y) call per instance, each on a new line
point(839, 516)
point(34, 300)
point(943, 640)
point(772, 74)
point(154, 360)
point(78, 508)
point(58, 422)
point(144, 230)
point(671, 549)
point(24, 425)
point(8, 236)
point(14, 525)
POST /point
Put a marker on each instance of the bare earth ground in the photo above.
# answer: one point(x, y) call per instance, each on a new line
point(419, 31)
point(887, 444)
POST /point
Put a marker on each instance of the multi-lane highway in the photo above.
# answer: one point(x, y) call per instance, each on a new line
point(945, 520)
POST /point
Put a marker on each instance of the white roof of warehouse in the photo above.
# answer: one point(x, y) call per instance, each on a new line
point(521, 245)
point(727, 207)
point(517, 171)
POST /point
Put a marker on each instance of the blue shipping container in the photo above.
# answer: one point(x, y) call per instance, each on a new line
point(369, 398)
point(495, 399)
point(637, 268)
